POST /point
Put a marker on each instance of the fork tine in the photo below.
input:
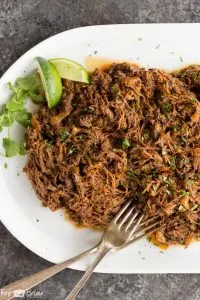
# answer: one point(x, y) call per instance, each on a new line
point(125, 217)
point(131, 220)
point(135, 226)
point(149, 220)
point(145, 222)
point(122, 210)
point(148, 232)
point(141, 235)
point(145, 228)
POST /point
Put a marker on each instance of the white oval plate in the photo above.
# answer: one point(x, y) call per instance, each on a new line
point(165, 46)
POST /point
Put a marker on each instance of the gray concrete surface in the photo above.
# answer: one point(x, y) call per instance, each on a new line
point(24, 23)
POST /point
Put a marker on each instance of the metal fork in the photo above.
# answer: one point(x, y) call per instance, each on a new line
point(137, 230)
point(119, 232)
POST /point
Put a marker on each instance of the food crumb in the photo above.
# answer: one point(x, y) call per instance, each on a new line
point(162, 252)
point(95, 52)
point(139, 252)
point(158, 46)
point(143, 258)
point(181, 59)
point(5, 165)
point(18, 174)
point(37, 220)
point(139, 39)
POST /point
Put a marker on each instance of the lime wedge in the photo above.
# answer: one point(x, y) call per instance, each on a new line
point(69, 69)
point(51, 81)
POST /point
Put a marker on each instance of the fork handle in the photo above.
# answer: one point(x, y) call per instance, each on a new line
point(24, 284)
point(102, 252)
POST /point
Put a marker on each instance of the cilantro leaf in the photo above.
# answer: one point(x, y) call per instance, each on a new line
point(13, 88)
point(30, 82)
point(18, 100)
point(63, 134)
point(15, 105)
point(23, 117)
point(22, 149)
point(26, 83)
point(33, 85)
point(11, 147)
point(6, 119)
point(125, 144)
point(37, 98)
point(14, 110)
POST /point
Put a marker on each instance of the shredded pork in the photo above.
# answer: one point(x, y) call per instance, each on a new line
point(130, 134)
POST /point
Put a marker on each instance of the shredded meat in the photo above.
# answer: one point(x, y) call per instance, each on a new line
point(130, 134)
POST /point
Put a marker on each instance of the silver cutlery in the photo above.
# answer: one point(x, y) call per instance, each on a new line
point(126, 228)
point(118, 233)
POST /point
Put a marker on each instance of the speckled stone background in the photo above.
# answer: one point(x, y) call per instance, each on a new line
point(24, 23)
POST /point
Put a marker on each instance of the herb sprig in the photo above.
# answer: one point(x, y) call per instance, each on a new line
point(15, 110)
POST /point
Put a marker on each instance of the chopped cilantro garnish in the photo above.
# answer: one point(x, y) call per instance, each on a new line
point(172, 161)
point(194, 99)
point(81, 137)
point(131, 173)
point(191, 182)
point(184, 193)
point(5, 165)
point(183, 74)
point(183, 139)
point(186, 160)
point(195, 76)
point(114, 89)
point(166, 106)
point(63, 134)
point(125, 144)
